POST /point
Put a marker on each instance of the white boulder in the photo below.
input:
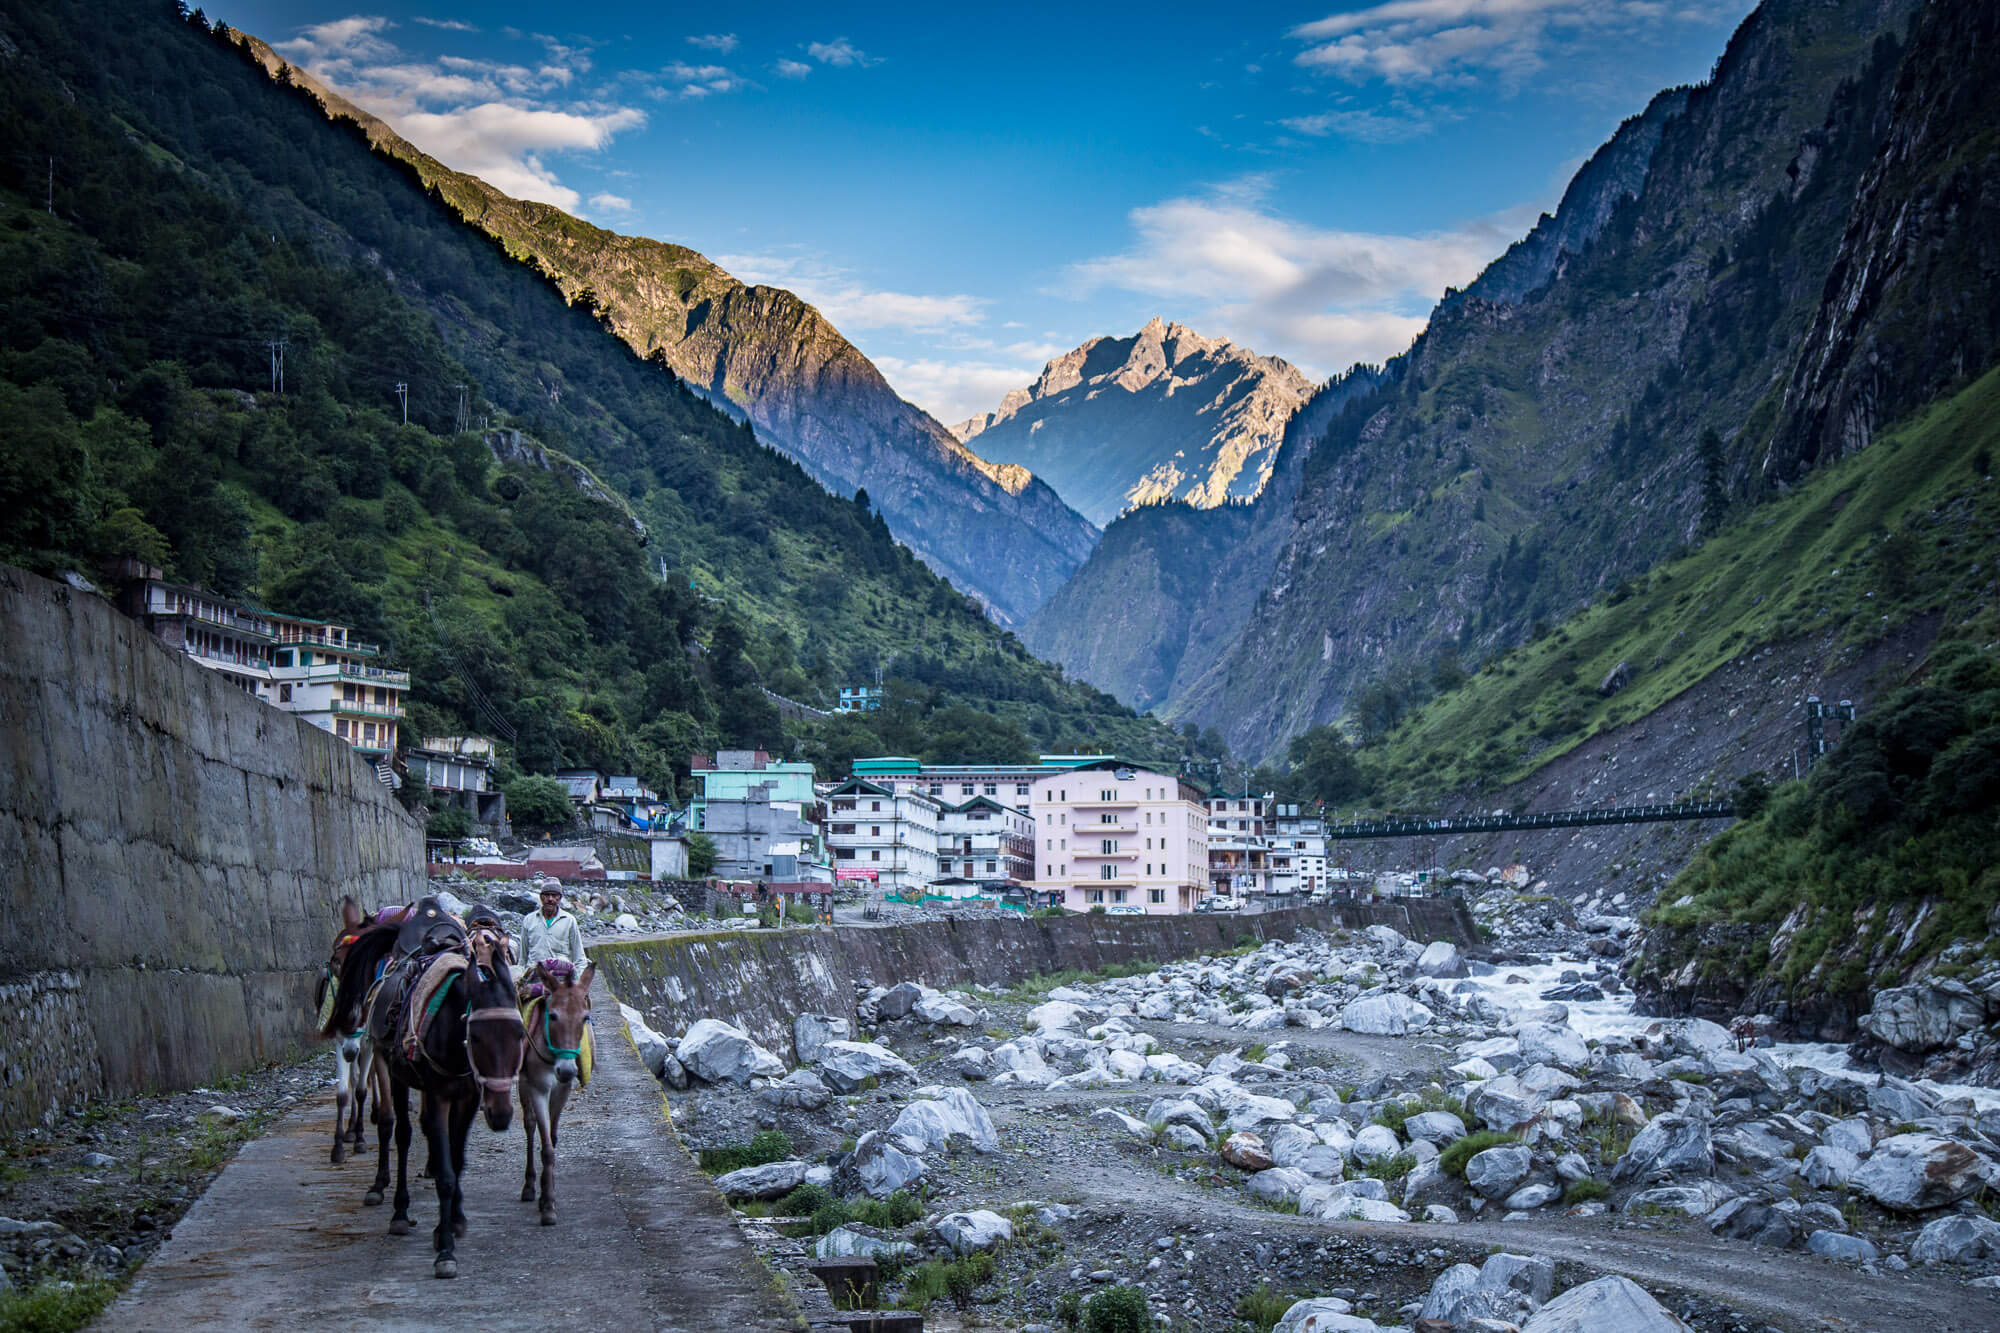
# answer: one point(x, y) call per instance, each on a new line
point(717, 1052)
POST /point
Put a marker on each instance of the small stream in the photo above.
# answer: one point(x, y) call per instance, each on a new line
point(1612, 1016)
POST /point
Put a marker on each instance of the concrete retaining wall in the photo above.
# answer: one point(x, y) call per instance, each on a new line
point(760, 980)
point(173, 854)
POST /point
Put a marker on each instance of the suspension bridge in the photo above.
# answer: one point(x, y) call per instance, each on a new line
point(1447, 825)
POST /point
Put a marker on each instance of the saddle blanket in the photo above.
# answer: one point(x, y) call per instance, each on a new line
point(419, 999)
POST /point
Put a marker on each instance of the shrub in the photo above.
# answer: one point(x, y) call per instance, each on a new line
point(1069, 1309)
point(1098, 910)
point(770, 1145)
point(1582, 1191)
point(1453, 1159)
point(1391, 1168)
point(1118, 1310)
point(54, 1308)
point(1263, 1306)
point(805, 1201)
point(1256, 1053)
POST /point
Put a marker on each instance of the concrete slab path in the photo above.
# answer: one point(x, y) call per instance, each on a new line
point(281, 1239)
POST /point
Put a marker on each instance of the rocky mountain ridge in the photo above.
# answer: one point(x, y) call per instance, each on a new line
point(773, 359)
point(1164, 414)
point(1606, 393)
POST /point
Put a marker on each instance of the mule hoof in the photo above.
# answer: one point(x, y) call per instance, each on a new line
point(548, 1217)
point(372, 1199)
point(527, 1194)
point(339, 1154)
point(445, 1268)
point(399, 1226)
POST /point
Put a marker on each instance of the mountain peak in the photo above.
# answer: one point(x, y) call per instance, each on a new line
point(1165, 413)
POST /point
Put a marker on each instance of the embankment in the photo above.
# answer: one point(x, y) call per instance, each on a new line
point(174, 853)
point(761, 980)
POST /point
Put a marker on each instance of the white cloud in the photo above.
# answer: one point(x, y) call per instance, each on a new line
point(449, 25)
point(696, 81)
point(1364, 126)
point(840, 53)
point(722, 43)
point(850, 304)
point(792, 69)
point(1412, 41)
point(505, 145)
point(1324, 299)
point(350, 39)
point(953, 391)
point(606, 202)
point(499, 121)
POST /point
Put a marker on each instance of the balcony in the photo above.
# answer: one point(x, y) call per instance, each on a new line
point(1106, 856)
point(1103, 830)
point(367, 709)
point(292, 634)
point(379, 675)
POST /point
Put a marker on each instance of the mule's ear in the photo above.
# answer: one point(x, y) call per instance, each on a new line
point(350, 913)
point(589, 971)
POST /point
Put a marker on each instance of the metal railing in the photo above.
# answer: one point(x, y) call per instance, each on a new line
point(1624, 814)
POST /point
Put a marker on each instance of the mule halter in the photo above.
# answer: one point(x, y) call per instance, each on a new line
point(495, 1014)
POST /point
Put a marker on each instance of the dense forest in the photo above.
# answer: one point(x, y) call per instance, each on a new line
point(556, 540)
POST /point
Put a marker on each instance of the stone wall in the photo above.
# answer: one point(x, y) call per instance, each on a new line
point(173, 852)
point(761, 979)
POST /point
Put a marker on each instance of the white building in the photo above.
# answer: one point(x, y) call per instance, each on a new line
point(1298, 836)
point(1239, 845)
point(323, 673)
point(882, 835)
point(987, 840)
point(1114, 835)
point(314, 668)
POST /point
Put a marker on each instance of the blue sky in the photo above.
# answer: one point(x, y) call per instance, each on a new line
point(968, 194)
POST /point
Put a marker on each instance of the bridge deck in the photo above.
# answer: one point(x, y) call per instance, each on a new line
point(282, 1241)
point(1444, 826)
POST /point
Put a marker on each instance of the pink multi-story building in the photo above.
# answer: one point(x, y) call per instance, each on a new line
point(1118, 836)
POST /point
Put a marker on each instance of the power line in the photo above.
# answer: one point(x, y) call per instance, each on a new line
point(277, 346)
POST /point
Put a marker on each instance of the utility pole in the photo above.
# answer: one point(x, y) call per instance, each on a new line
point(459, 425)
point(403, 396)
point(277, 348)
point(52, 186)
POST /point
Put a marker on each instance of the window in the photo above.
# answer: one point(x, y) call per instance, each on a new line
point(937, 789)
point(342, 727)
point(368, 732)
point(1108, 846)
point(843, 828)
point(1149, 844)
point(991, 789)
point(992, 865)
point(1107, 871)
point(1020, 789)
point(875, 806)
point(284, 694)
point(1156, 895)
point(843, 853)
point(874, 830)
point(1149, 816)
point(1107, 796)
point(875, 855)
point(1048, 871)
point(965, 789)
point(1097, 895)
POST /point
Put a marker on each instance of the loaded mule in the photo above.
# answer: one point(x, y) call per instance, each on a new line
point(444, 1020)
point(340, 1017)
point(555, 1005)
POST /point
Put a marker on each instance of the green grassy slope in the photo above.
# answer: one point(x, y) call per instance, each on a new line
point(1903, 529)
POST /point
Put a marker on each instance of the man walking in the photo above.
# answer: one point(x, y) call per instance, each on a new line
point(551, 933)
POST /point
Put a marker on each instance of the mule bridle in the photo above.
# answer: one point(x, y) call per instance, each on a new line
point(494, 1014)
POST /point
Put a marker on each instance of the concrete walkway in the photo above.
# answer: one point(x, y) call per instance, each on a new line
point(282, 1241)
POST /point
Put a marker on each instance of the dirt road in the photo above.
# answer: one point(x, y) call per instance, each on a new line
point(281, 1239)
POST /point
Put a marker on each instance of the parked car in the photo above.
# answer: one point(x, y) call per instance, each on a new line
point(1218, 905)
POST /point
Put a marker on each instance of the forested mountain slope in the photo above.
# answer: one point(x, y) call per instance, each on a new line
point(763, 353)
point(201, 212)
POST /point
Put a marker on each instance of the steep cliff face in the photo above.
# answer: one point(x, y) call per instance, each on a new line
point(770, 357)
point(1614, 173)
point(1535, 451)
point(1169, 588)
point(1164, 414)
point(1913, 298)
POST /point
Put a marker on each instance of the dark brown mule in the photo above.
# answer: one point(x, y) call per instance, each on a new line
point(340, 1017)
point(556, 1021)
point(465, 1059)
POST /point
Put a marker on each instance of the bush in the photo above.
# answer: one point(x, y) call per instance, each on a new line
point(771, 1145)
point(539, 803)
point(1097, 910)
point(50, 1308)
point(805, 1201)
point(1582, 1191)
point(1118, 1310)
point(1453, 1159)
point(1263, 1306)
